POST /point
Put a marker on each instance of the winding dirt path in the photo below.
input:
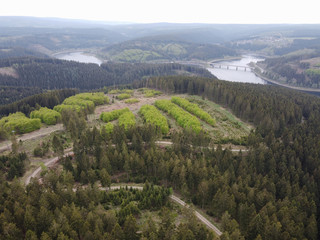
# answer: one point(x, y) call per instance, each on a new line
point(198, 215)
point(176, 199)
point(47, 162)
point(169, 143)
point(6, 145)
point(173, 197)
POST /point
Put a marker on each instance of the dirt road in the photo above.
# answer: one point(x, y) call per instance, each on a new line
point(6, 145)
point(198, 215)
point(180, 202)
point(52, 161)
point(47, 162)
point(168, 143)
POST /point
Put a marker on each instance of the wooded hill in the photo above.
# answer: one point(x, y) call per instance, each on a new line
point(270, 192)
point(32, 74)
point(163, 48)
point(297, 69)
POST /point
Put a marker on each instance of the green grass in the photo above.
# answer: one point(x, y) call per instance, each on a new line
point(131, 100)
point(174, 49)
point(228, 128)
point(117, 91)
point(136, 55)
point(123, 96)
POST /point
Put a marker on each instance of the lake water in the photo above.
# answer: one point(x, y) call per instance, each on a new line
point(230, 74)
point(239, 75)
point(79, 57)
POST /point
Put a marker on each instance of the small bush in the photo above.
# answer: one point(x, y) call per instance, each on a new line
point(98, 98)
point(108, 128)
point(61, 107)
point(131, 101)
point(113, 115)
point(19, 123)
point(152, 115)
point(123, 96)
point(127, 120)
point(46, 115)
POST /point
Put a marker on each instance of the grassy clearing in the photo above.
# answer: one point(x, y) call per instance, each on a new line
point(228, 129)
point(227, 125)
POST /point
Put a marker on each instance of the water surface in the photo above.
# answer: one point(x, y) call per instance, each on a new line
point(239, 75)
point(79, 57)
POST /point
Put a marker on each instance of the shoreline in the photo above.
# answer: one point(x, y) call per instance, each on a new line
point(270, 81)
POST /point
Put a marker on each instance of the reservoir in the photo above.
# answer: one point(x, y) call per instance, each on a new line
point(78, 57)
point(240, 75)
point(222, 73)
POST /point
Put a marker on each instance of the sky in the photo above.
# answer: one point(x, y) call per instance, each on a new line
point(175, 11)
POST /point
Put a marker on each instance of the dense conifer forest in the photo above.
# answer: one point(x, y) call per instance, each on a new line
point(267, 189)
point(47, 99)
point(270, 192)
point(34, 75)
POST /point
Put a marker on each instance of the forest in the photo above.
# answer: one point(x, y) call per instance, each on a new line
point(163, 48)
point(269, 189)
point(269, 192)
point(299, 69)
point(47, 99)
point(39, 74)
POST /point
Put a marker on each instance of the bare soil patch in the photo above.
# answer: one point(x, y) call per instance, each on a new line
point(9, 71)
point(134, 107)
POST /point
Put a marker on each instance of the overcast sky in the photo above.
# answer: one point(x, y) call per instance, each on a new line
point(181, 11)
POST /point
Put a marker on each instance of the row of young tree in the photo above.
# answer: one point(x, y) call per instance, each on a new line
point(194, 109)
point(46, 115)
point(152, 115)
point(183, 118)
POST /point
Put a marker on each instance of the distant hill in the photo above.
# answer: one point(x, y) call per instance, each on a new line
point(154, 41)
point(48, 40)
point(164, 48)
point(20, 52)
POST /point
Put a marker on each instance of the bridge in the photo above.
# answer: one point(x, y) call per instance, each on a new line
point(231, 67)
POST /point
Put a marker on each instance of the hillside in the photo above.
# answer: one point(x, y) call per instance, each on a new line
point(262, 185)
point(51, 40)
point(299, 68)
point(204, 158)
point(24, 76)
point(40, 144)
point(163, 48)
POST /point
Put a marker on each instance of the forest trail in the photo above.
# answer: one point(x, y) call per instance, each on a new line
point(176, 199)
point(47, 162)
point(51, 161)
point(198, 215)
point(169, 143)
point(6, 145)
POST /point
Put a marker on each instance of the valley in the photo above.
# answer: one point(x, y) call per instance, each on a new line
point(133, 131)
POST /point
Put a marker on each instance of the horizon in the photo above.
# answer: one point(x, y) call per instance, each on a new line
point(105, 22)
point(166, 11)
